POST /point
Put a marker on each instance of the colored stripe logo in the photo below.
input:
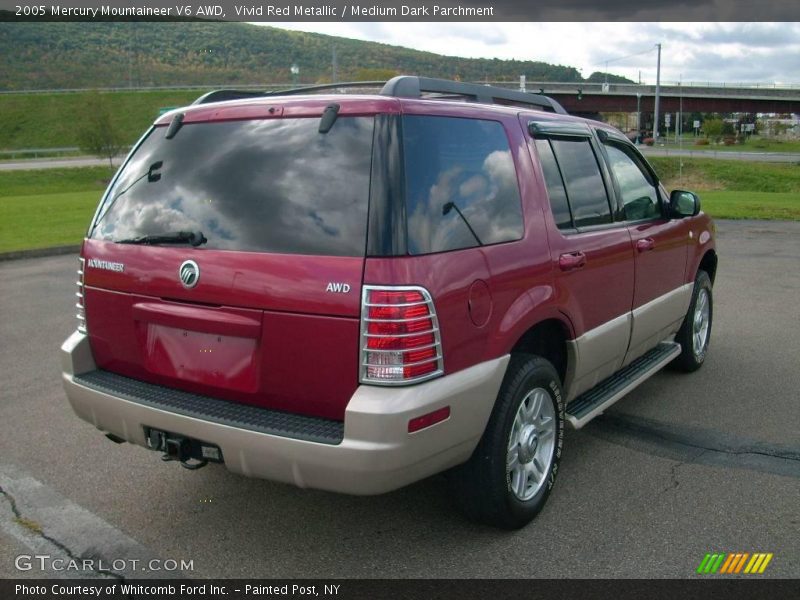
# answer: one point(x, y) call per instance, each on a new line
point(734, 563)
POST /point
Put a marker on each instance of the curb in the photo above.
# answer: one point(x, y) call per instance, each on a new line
point(40, 252)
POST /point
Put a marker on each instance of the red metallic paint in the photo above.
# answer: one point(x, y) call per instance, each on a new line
point(261, 329)
point(271, 108)
point(281, 282)
point(277, 338)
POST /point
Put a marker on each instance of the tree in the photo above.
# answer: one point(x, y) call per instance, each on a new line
point(713, 128)
point(98, 133)
point(372, 74)
point(601, 77)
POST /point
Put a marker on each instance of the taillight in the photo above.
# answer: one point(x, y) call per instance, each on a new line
point(79, 304)
point(400, 341)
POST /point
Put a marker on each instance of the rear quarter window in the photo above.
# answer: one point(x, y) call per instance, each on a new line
point(460, 184)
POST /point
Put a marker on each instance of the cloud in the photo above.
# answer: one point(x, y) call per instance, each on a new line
point(697, 51)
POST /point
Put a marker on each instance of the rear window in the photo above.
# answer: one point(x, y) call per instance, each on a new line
point(461, 184)
point(267, 186)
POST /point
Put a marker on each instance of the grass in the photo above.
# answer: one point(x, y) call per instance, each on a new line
point(701, 174)
point(28, 524)
point(753, 144)
point(48, 207)
point(752, 205)
point(758, 145)
point(54, 181)
point(52, 207)
point(44, 220)
point(735, 189)
point(52, 120)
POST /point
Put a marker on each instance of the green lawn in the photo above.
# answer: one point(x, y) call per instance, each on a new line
point(53, 120)
point(52, 181)
point(52, 207)
point(48, 207)
point(43, 220)
point(751, 205)
point(753, 144)
point(701, 174)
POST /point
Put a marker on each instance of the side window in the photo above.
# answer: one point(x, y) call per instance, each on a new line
point(586, 191)
point(461, 184)
point(555, 185)
point(638, 192)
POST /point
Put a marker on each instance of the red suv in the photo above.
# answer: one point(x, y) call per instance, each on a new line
point(354, 292)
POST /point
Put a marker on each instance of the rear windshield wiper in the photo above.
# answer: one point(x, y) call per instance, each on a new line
point(194, 238)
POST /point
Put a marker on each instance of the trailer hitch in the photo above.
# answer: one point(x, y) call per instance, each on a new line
point(190, 453)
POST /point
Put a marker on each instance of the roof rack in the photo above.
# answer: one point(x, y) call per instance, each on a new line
point(222, 95)
point(408, 86)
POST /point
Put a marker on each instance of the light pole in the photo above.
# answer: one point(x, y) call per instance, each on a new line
point(638, 117)
point(295, 71)
point(658, 95)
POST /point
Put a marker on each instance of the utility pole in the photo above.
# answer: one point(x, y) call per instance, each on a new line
point(658, 95)
point(334, 77)
point(680, 128)
point(680, 105)
point(638, 117)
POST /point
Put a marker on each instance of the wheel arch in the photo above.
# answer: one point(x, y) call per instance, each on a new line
point(547, 338)
point(709, 264)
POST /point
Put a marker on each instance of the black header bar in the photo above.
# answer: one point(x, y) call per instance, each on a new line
point(401, 11)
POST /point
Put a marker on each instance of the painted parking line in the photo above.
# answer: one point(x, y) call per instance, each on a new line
point(66, 540)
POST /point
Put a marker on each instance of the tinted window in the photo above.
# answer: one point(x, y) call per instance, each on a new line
point(555, 185)
point(270, 185)
point(585, 188)
point(461, 184)
point(638, 193)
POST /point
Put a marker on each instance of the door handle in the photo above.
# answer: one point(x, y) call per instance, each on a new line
point(573, 260)
point(645, 244)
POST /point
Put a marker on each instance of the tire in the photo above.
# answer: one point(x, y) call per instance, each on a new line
point(530, 412)
point(694, 335)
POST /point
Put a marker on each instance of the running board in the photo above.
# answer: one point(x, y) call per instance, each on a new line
point(594, 401)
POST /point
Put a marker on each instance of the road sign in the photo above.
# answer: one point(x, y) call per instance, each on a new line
point(667, 119)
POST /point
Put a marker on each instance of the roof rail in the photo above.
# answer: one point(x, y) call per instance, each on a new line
point(222, 95)
point(407, 86)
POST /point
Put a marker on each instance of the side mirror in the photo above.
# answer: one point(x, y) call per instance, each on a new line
point(683, 204)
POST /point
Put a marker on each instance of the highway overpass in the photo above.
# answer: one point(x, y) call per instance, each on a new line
point(587, 98)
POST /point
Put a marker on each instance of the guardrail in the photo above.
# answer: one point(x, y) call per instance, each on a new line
point(37, 152)
point(160, 88)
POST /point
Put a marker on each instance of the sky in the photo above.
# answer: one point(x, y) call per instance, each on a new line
point(691, 52)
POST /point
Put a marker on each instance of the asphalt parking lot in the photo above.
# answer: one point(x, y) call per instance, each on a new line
point(687, 464)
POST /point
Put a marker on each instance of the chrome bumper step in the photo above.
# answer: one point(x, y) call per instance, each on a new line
point(594, 401)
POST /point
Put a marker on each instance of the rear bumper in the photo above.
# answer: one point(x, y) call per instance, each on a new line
point(376, 454)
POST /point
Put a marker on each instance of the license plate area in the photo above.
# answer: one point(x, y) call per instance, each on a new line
point(182, 448)
point(211, 359)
